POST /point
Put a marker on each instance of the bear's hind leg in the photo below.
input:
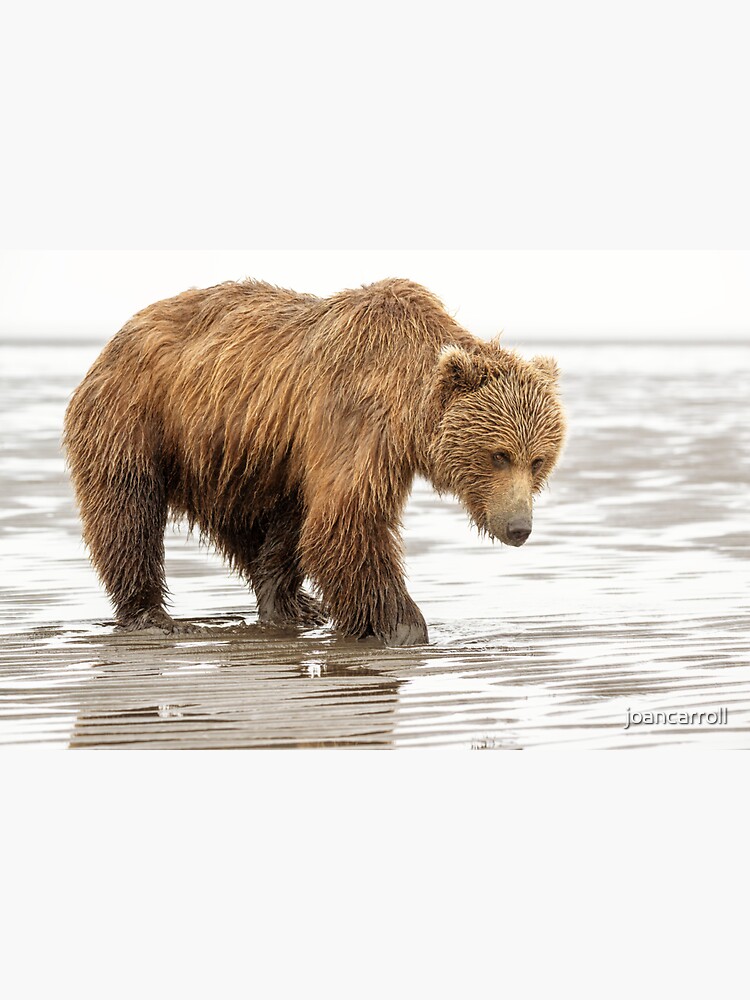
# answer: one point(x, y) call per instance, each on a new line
point(124, 513)
point(277, 576)
point(262, 549)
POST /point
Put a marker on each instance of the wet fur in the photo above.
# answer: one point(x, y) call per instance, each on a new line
point(287, 429)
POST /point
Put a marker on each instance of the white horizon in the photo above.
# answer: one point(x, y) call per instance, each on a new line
point(590, 296)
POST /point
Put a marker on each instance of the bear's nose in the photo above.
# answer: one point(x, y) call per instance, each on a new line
point(519, 530)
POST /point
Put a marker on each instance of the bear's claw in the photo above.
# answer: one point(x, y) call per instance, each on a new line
point(156, 619)
point(407, 634)
point(301, 610)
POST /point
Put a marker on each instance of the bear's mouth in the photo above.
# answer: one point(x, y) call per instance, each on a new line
point(483, 525)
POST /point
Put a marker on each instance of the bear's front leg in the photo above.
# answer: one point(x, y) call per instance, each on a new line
point(355, 560)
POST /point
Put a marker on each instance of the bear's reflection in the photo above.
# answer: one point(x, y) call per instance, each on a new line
point(245, 686)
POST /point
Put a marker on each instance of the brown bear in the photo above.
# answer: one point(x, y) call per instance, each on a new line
point(288, 429)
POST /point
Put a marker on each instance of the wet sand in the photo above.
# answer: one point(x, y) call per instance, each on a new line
point(631, 594)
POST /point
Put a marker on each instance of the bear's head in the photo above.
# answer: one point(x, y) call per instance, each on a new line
point(499, 435)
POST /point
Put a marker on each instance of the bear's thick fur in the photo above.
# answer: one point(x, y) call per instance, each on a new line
point(288, 429)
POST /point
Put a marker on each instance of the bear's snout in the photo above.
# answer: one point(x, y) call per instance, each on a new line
point(513, 532)
point(518, 530)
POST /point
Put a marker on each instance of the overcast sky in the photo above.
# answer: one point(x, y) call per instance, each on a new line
point(528, 294)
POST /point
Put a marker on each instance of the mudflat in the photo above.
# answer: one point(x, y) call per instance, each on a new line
point(623, 621)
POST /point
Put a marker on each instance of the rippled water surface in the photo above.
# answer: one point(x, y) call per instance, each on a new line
point(630, 596)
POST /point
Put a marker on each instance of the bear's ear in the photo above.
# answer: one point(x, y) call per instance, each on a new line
point(459, 372)
point(547, 366)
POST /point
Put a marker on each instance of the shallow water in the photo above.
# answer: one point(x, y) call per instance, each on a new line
point(631, 594)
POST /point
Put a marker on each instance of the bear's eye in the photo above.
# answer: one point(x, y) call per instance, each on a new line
point(536, 465)
point(500, 459)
